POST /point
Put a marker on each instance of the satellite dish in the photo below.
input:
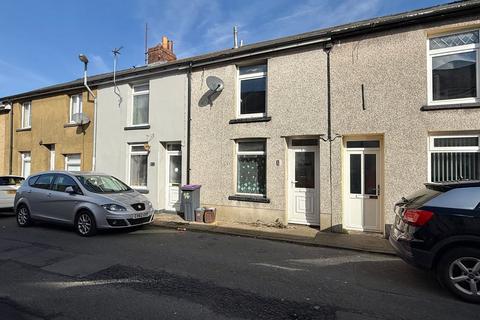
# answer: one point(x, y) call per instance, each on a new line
point(215, 84)
point(80, 118)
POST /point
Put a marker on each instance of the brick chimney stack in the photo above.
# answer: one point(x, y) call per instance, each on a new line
point(162, 52)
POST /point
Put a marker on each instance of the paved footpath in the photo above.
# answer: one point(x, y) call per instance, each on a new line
point(48, 272)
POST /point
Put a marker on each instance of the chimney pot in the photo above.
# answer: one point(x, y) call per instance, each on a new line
point(165, 42)
point(162, 52)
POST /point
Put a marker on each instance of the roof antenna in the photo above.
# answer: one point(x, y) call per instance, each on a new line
point(116, 53)
point(146, 43)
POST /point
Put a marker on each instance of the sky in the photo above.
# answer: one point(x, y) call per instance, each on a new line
point(41, 40)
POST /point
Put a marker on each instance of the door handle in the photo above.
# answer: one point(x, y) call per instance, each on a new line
point(378, 190)
point(49, 195)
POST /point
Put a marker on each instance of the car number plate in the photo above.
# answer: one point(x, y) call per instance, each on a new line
point(140, 215)
point(11, 191)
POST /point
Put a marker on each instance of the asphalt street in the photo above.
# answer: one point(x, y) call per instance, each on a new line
point(49, 272)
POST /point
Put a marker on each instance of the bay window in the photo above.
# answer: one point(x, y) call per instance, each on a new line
point(453, 158)
point(453, 68)
point(251, 167)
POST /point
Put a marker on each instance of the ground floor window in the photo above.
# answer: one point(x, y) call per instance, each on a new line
point(138, 166)
point(73, 162)
point(455, 157)
point(26, 163)
point(251, 167)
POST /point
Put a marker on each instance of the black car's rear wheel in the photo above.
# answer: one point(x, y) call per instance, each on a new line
point(23, 216)
point(85, 224)
point(459, 271)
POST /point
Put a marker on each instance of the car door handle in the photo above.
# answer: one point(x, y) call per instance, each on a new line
point(49, 195)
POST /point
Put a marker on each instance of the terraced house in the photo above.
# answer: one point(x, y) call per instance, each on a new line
point(43, 131)
point(330, 128)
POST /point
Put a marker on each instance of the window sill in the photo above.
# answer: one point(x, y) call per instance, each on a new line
point(142, 127)
point(71, 125)
point(450, 106)
point(259, 199)
point(249, 120)
point(141, 190)
point(24, 129)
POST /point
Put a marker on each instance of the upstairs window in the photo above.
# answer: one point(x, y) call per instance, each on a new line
point(140, 104)
point(26, 115)
point(75, 106)
point(252, 87)
point(251, 168)
point(454, 158)
point(453, 68)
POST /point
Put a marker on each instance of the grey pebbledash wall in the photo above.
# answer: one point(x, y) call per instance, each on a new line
point(392, 67)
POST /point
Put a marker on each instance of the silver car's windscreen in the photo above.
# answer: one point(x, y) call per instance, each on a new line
point(102, 184)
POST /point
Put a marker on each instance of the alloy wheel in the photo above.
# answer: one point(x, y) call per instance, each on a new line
point(22, 216)
point(464, 274)
point(84, 224)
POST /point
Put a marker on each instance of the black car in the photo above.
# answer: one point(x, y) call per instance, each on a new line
point(438, 228)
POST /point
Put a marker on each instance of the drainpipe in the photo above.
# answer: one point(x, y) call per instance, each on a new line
point(10, 160)
point(84, 59)
point(328, 47)
point(189, 118)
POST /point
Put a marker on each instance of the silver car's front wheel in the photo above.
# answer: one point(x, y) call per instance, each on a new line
point(23, 216)
point(85, 224)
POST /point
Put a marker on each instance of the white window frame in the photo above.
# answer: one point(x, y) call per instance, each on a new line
point(139, 93)
point(68, 160)
point(247, 153)
point(474, 47)
point(433, 149)
point(251, 76)
point(26, 156)
point(71, 113)
point(26, 115)
point(129, 163)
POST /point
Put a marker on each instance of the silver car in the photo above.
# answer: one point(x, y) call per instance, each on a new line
point(86, 200)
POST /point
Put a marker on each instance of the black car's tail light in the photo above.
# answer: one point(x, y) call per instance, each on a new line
point(417, 217)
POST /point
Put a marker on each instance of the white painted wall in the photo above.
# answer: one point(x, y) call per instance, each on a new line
point(167, 119)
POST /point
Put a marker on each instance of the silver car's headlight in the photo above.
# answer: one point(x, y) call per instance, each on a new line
point(113, 207)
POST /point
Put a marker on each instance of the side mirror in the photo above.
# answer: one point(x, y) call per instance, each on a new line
point(70, 190)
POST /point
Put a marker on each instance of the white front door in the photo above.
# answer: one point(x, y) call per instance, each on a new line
point(303, 183)
point(362, 199)
point(174, 176)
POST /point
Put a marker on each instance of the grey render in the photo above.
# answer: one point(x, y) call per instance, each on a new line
point(167, 105)
point(392, 66)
